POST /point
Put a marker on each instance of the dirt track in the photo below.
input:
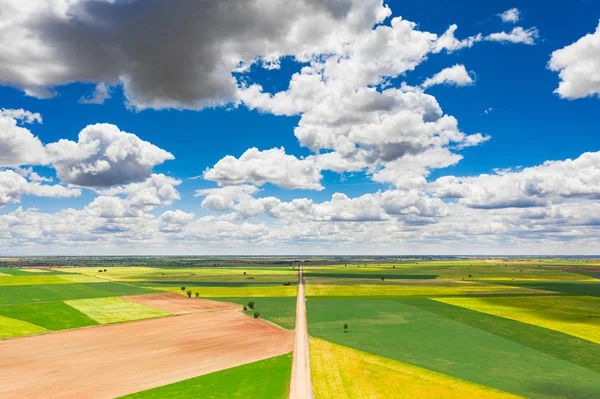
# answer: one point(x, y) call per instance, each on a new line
point(179, 304)
point(110, 361)
point(301, 385)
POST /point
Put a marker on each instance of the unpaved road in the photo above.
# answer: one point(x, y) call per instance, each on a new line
point(110, 361)
point(301, 385)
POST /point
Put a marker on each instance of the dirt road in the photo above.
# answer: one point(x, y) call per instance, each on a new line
point(110, 361)
point(301, 385)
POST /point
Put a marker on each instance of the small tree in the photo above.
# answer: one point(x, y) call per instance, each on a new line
point(197, 294)
point(345, 327)
point(104, 270)
point(256, 314)
point(244, 273)
point(182, 288)
point(189, 294)
point(245, 308)
point(251, 304)
point(382, 279)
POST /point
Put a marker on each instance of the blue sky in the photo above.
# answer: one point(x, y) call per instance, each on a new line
point(510, 97)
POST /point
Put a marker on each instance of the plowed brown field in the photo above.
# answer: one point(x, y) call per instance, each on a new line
point(110, 361)
point(179, 304)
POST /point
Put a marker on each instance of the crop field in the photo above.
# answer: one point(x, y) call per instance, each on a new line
point(114, 310)
point(417, 328)
point(340, 372)
point(234, 383)
point(461, 325)
point(575, 315)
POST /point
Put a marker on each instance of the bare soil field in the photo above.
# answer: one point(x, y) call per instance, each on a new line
point(110, 361)
point(179, 304)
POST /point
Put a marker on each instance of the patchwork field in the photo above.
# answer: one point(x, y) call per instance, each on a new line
point(417, 328)
point(539, 343)
point(340, 372)
point(577, 316)
point(265, 379)
point(126, 358)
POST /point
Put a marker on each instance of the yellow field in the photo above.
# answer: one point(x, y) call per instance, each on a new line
point(32, 280)
point(82, 278)
point(14, 328)
point(415, 290)
point(339, 372)
point(577, 316)
point(114, 310)
point(34, 270)
point(135, 273)
point(224, 292)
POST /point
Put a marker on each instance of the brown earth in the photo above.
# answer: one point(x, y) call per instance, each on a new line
point(179, 304)
point(110, 361)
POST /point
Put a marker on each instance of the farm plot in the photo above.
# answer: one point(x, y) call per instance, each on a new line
point(340, 372)
point(32, 280)
point(265, 379)
point(126, 358)
point(114, 310)
point(177, 304)
point(281, 311)
point(59, 292)
point(411, 289)
point(226, 292)
point(577, 316)
point(50, 316)
point(10, 328)
point(409, 334)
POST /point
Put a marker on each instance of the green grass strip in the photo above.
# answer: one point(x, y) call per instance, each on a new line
point(265, 379)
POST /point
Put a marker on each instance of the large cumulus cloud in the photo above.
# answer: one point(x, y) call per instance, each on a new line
point(104, 156)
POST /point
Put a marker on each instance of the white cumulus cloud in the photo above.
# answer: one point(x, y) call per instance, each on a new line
point(578, 66)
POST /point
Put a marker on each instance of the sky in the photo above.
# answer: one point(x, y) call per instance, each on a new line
point(302, 127)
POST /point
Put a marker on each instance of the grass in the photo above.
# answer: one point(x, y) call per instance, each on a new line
point(32, 280)
point(229, 292)
point(577, 316)
point(563, 346)
point(434, 289)
point(10, 328)
point(18, 294)
point(280, 311)
point(409, 334)
point(591, 288)
point(51, 316)
point(339, 372)
point(265, 379)
point(114, 310)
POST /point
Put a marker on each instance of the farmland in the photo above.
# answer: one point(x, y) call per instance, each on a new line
point(485, 328)
point(459, 324)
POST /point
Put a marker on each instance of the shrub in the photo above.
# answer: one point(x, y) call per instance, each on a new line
point(345, 327)
point(189, 294)
point(256, 314)
point(251, 304)
point(100, 271)
point(287, 283)
point(382, 279)
point(104, 270)
point(182, 288)
point(245, 308)
point(244, 273)
point(197, 294)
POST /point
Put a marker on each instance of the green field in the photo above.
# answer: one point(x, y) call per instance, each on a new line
point(225, 292)
point(397, 330)
point(280, 311)
point(59, 292)
point(10, 328)
point(50, 316)
point(266, 379)
point(114, 310)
